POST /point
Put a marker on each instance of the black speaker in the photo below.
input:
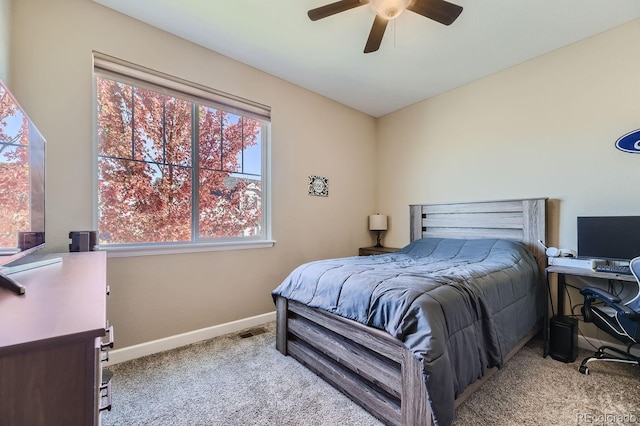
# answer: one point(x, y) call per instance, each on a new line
point(82, 240)
point(563, 338)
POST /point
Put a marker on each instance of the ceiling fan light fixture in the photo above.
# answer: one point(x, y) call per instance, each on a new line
point(389, 9)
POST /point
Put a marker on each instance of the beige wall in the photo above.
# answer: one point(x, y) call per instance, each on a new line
point(544, 128)
point(158, 296)
point(5, 31)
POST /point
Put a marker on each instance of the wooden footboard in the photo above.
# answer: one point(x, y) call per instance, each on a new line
point(372, 368)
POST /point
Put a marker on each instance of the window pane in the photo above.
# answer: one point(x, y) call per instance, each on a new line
point(252, 153)
point(115, 115)
point(230, 206)
point(148, 199)
point(210, 131)
point(148, 121)
point(177, 128)
point(162, 128)
point(232, 143)
point(142, 202)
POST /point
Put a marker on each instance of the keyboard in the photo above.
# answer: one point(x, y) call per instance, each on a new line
point(614, 269)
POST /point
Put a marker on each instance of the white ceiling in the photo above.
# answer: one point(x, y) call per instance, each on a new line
point(418, 58)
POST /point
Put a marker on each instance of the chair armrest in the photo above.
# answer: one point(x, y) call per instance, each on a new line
point(592, 293)
point(597, 293)
point(631, 314)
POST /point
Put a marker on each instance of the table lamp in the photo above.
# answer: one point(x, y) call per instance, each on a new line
point(378, 222)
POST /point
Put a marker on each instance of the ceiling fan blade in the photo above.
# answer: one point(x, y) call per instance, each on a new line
point(375, 36)
point(438, 10)
point(333, 8)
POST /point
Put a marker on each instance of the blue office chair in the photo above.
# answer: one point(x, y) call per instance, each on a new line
point(620, 320)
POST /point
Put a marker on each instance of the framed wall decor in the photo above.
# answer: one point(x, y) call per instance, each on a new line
point(318, 186)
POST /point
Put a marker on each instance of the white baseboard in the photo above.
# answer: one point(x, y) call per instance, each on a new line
point(148, 348)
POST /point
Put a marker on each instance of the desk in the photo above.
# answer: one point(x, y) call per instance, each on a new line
point(561, 272)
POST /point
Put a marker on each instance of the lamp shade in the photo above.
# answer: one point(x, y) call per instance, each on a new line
point(378, 222)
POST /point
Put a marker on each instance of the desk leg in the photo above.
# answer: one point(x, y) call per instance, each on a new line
point(560, 311)
point(561, 291)
point(545, 325)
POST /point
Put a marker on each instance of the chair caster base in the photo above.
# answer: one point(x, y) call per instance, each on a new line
point(611, 354)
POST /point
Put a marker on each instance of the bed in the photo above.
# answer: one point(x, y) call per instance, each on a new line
point(409, 335)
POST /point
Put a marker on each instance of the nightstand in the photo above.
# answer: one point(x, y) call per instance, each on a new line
point(370, 251)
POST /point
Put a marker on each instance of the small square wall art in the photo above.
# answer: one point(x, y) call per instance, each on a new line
point(318, 186)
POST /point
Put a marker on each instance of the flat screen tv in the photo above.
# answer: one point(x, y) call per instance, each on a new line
point(609, 237)
point(22, 182)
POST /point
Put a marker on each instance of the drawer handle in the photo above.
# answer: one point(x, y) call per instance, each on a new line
point(109, 344)
point(107, 387)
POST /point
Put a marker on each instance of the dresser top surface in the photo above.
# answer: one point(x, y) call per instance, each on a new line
point(64, 300)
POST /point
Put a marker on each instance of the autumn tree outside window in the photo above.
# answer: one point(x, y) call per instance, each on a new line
point(14, 170)
point(177, 163)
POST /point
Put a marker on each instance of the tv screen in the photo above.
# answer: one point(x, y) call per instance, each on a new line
point(22, 181)
point(609, 237)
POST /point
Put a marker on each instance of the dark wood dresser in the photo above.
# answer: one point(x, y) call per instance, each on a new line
point(50, 343)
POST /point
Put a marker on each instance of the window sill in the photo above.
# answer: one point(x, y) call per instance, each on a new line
point(158, 249)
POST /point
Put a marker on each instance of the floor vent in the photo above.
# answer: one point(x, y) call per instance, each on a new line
point(252, 332)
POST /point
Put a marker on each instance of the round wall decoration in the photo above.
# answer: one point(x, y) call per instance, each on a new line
point(318, 186)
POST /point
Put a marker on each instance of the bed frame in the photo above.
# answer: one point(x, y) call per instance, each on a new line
point(370, 366)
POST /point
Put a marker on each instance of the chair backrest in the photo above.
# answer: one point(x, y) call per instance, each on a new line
point(634, 265)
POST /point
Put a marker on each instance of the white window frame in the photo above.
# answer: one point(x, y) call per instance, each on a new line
point(129, 73)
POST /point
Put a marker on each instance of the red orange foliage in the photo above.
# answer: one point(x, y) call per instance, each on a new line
point(145, 168)
point(14, 170)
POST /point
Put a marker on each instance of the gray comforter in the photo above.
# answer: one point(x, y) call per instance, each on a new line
point(458, 305)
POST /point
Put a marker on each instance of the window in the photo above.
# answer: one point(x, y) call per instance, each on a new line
point(177, 163)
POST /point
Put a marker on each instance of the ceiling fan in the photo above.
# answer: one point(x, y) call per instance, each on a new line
point(386, 10)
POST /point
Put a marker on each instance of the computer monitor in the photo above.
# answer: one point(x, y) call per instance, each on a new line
point(609, 237)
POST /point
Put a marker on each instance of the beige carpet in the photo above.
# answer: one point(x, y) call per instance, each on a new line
point(234, 381)
point(533, 390)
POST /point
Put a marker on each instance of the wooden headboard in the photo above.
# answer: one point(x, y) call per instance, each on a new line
point(521, 220)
